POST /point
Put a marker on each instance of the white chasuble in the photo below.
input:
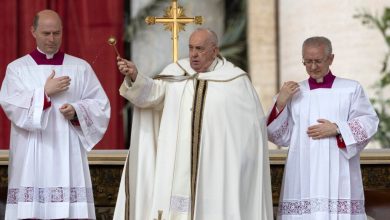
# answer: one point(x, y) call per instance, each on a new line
point(48, 169)
point(321, 180)
point(232, 167)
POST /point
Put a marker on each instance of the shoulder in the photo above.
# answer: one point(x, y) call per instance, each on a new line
point(176, 69)
point(22, 61)
point(227, 65)
point(346, 83)
point(72, 60)
point(304, 84)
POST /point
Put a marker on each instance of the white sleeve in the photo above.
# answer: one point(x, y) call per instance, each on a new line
point(361, 126)
point(279, 130)
point(144, 92)
point(23, 106)
point(93, 111)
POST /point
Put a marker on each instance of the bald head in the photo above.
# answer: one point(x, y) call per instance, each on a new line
point(47, 31)
point(44, 14)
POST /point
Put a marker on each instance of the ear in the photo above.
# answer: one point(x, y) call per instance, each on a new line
point(33, 31)
point(216, 51)
point(331, 57)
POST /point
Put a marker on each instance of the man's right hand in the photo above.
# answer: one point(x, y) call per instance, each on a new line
point(286, 93)
point(127, 68)
point(56, 85)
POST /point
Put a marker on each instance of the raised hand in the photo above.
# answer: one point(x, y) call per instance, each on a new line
point(127, 68)
point(56, 85)
point(286, 93)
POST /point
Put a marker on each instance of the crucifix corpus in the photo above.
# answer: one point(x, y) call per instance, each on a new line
point(174, 20)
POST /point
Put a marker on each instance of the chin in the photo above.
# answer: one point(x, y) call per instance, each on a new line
point(51, 50)
point(315, 76)
point(195, 68)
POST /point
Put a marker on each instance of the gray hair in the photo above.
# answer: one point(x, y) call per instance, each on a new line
point(318, 41)
point(213, 39)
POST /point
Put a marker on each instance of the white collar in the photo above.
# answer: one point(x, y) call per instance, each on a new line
point(48, 56)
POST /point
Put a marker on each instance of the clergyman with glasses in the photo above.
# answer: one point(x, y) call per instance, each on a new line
point(326, 121)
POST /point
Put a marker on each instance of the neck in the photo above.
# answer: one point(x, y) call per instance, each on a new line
point(320, 80)
point(48, 56)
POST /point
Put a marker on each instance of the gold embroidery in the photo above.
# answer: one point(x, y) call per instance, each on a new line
point(127, 178)
point(197, 115)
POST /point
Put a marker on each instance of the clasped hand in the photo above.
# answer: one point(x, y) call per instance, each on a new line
point(68, 111)
point(324, 129)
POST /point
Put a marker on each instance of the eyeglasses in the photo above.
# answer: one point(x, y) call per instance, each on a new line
point(307, 62)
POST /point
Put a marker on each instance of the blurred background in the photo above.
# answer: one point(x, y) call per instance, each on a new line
point(263, 37)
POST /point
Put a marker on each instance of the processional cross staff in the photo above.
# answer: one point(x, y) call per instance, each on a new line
point(174, 20)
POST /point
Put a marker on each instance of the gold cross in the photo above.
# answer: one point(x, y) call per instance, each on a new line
point(174, 20)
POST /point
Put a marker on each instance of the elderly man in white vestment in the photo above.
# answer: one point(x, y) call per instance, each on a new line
point(58, 111)
point(326, 121)
point(199, 144)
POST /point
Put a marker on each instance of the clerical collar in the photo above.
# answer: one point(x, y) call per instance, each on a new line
point(326, 84)
point(42, 59)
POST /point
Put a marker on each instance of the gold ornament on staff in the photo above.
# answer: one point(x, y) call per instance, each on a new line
point(174, 20)
point(112, 41)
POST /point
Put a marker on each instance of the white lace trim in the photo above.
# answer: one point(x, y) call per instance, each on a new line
point(334, 206)
point(180, 204)
point(278, 134)
point(358, 131)
point(50, 195)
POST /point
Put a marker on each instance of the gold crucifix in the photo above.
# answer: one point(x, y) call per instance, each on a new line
point(174, 20)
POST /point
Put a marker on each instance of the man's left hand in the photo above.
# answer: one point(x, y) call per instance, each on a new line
point(324, 129)
point(68, 111)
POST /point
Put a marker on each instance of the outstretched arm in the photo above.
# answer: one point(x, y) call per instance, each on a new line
point(127, 68)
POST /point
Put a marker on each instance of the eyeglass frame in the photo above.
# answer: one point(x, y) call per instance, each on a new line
point(317, 62)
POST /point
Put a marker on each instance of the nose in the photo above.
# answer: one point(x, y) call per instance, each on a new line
point(51, 37)
point(312, 65)
point(193, 53)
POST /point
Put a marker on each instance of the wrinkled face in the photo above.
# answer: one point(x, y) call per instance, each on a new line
point(317, 61)
point(202, 51)
point(48, 34)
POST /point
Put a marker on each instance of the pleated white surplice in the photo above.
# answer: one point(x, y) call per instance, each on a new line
point(48, 170)
point(321, 180)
